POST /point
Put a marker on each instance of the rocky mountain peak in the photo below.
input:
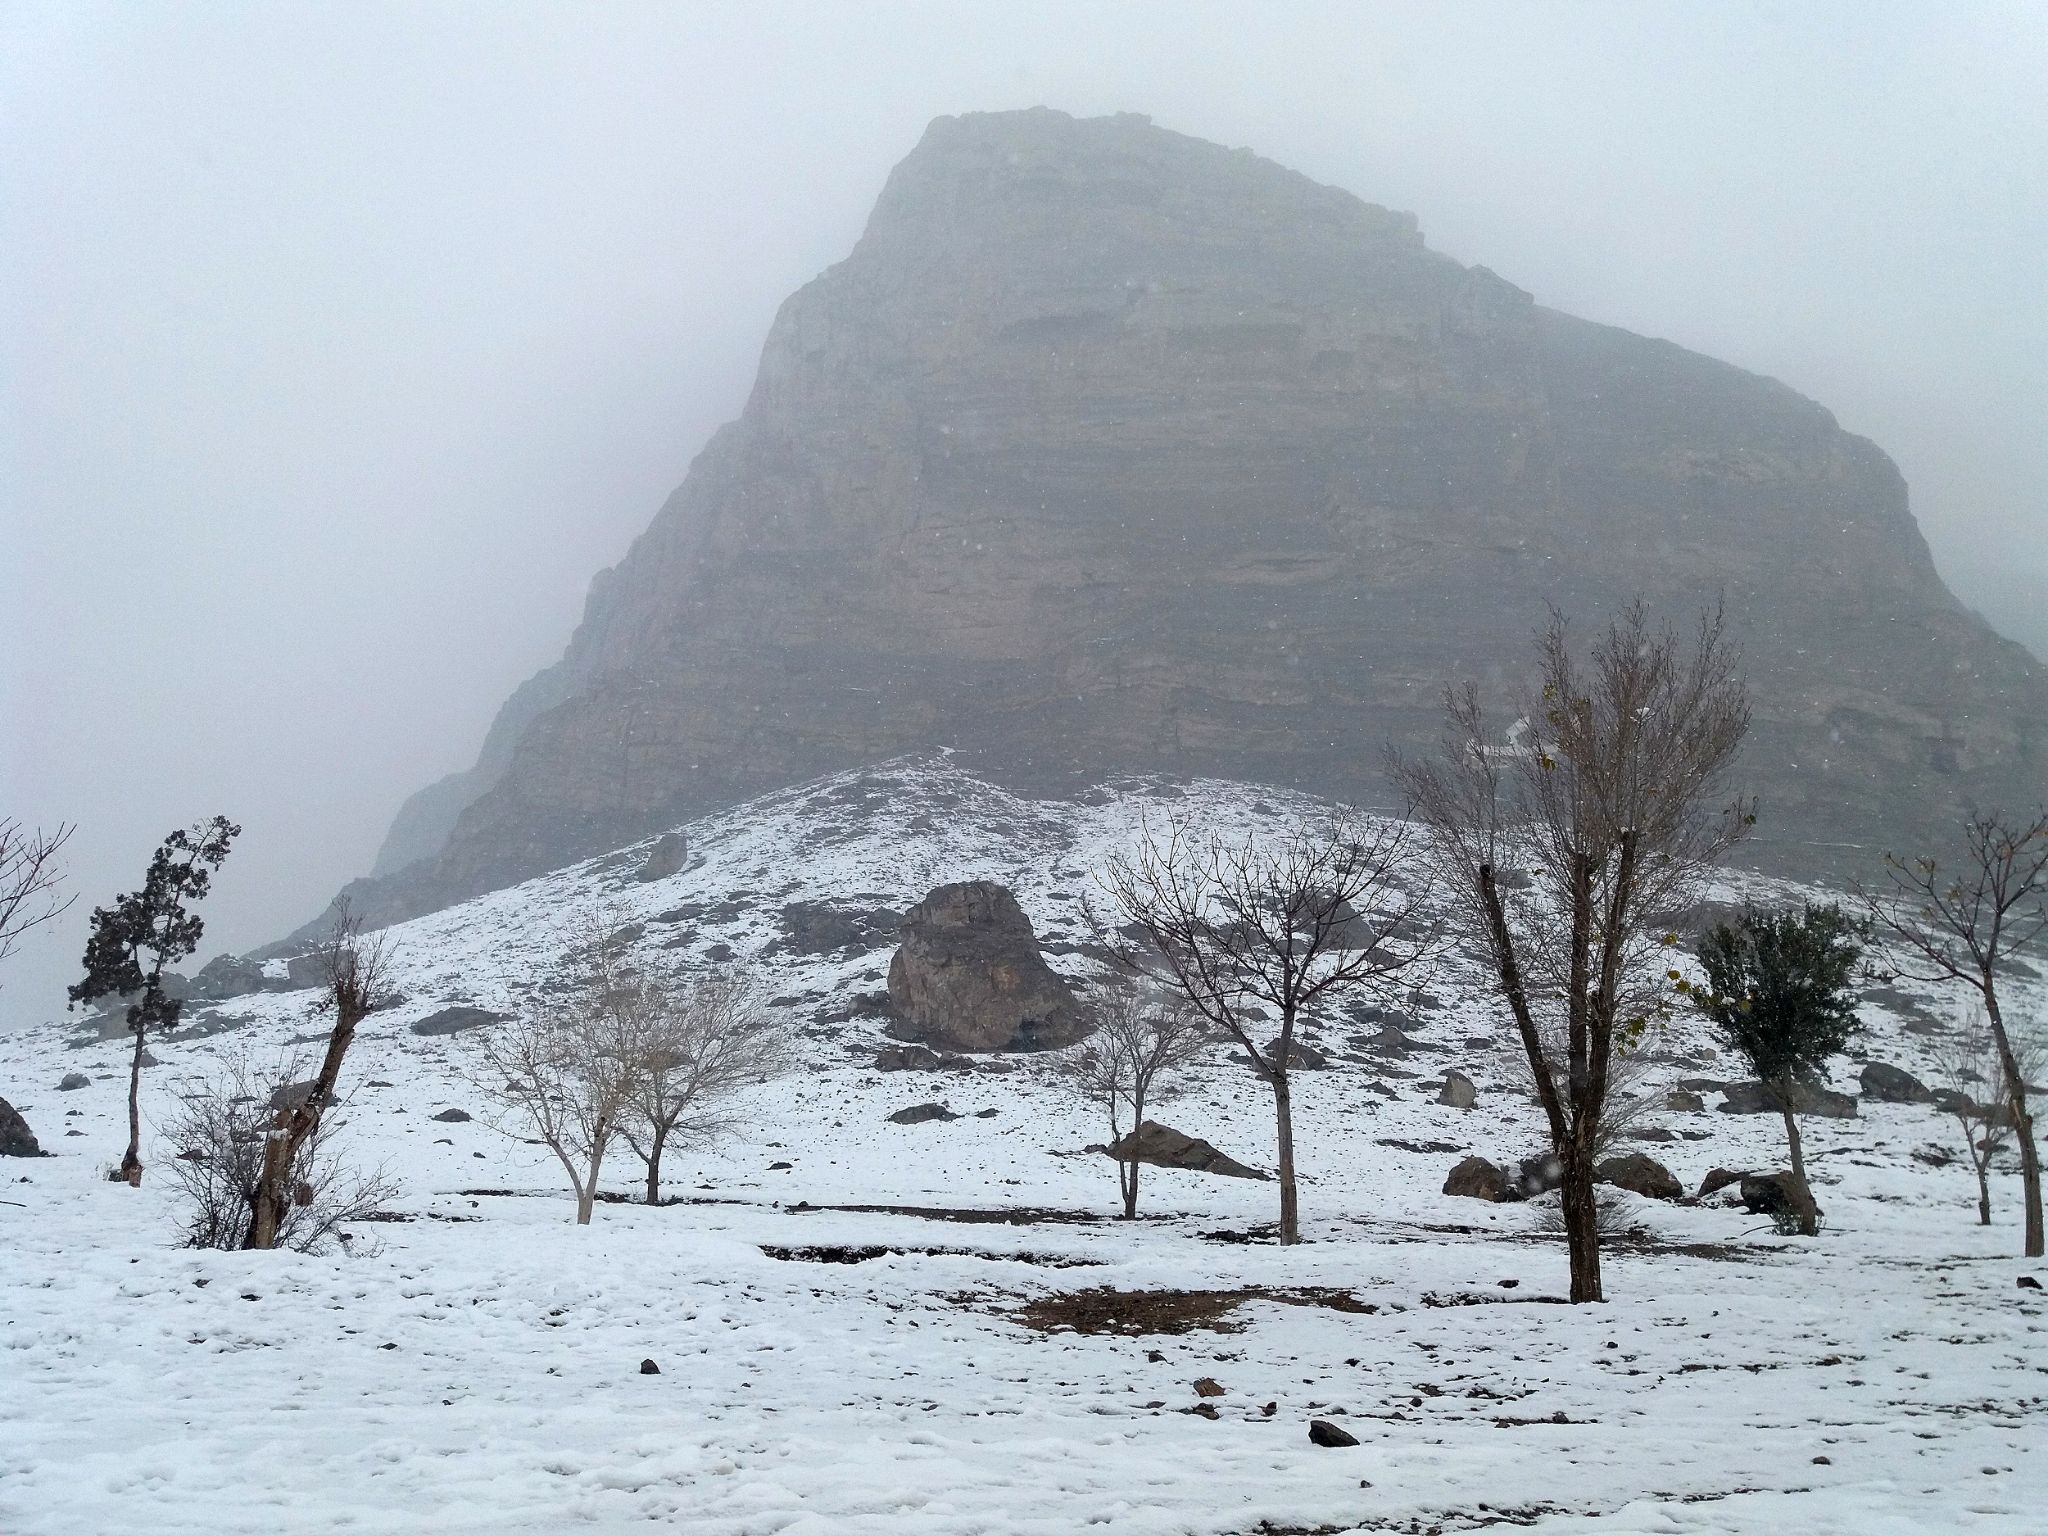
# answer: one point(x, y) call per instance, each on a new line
point(1109, 449)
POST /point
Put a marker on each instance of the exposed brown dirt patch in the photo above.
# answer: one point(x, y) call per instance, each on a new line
point(1132, 1314)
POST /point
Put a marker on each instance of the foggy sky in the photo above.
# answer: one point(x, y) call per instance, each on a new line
point(340, 346)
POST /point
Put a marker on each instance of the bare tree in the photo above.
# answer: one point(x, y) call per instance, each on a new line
point(1608, 795)
point(1966, 1061)
point(222, 1130)
point(696, 1042)
point(1143, 1038)
point(356, 969)
point(29, 877)
point(567, 1073)
point(1286, 924)
point(1968, 927)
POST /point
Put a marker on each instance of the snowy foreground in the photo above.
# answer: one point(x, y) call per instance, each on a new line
point(476, 1366)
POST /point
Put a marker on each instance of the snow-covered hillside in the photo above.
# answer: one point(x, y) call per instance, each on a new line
point(838, 1312)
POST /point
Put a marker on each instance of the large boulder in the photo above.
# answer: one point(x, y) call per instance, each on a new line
point(1164, 1147)
point(1888, 1084)
point(1639, 1174)
point(1754, 1098)
point(1457, 1091)
point(1780, 1195)
point(969, 975)
point(455, 1019)
point(16, 1139)
point(671, 851)
point(226, 976)
point(1477, 1179)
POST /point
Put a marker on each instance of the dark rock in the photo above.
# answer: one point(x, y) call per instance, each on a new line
point(815, 928)
point(917, 1114)
point(671, 851)
point(1538, 1175)
point(1888, 1084)
point(1718, 1179)
point(969, 975)
point(909, 1058)
point(453, 1020)
point(1164, 1147)
point(72, 1081)
point(1208, 1386)
point(1702, 1084)
point(1641, 1175)
point(2029, 1283)
point(1457, 1091)
point(290, 1095)
point(1680, 1101)
point(1301, 1056)
point(1754, 1098)
point(453, 1116)
point(648, 1367)
point(1323, 1432)
point(226, 976)
point(1477, 1179)
point(986, 1114)
point(1658, 1133)
point(1779, 1195)
point(16, 1139)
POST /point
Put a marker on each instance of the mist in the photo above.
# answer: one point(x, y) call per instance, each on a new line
point(340, 347)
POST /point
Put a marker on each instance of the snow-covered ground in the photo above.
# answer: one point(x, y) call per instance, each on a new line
point(477, 1367)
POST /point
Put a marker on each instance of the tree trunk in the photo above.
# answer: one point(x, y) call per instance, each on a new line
point(1983, 1191)
point(1127, 1177)
point(586, 1199)
point(131, 1160)
point(267, 1199)
point(1581, 1224)
point(1808, 1225)
point(1283, 1114)
point(2022, 1123)
point(654, 1146)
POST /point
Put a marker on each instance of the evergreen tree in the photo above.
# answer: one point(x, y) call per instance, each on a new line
point(139, 937)
point(1781, 994)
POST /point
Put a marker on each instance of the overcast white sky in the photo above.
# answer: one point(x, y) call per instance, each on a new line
point(340, 345)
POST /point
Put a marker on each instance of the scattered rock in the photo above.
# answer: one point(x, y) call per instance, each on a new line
point(815, 928)
point(2029, 1283)
point(73, 1080)
point(1538, 1175)
point(290, 1095)
point(1652, 1133)
point(1323, 1432)
point(1778, 1194)
point(1683, 1102)
point(1457, 1091)
point(226, 976)
point(16, 1139)
point(1164, 1147)
point(1205, 1410)
point(1301, 1056)
point(1639, 1174)
point(1893, 1085)
point(1208, 1386)
point(648, 1367)
point(968, 974)
point(1754, 1098)
point(671, 851)
point(452, 1116)
point(454, 1020)
point(1718, 1179)
point(917, 1114)
point(1477, 1179)
point(909, 1058)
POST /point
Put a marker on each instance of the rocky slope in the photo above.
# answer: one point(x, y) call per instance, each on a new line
point(1109, 449)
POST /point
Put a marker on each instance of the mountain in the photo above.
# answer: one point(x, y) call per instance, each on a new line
point(1107, 449)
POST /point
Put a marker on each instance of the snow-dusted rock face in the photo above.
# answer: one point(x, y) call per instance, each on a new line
point(845, 1311)
point(1107, 449)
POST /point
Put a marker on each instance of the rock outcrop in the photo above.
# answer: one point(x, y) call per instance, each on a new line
point(1110, 449)
point(1754, 1098)
point(16, 1139)
point(1641, 1175)
point(1163, 1147)
point(968, 975)
point(1474, 1178)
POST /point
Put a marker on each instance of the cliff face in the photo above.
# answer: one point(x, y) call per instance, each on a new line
point(1107, 448)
